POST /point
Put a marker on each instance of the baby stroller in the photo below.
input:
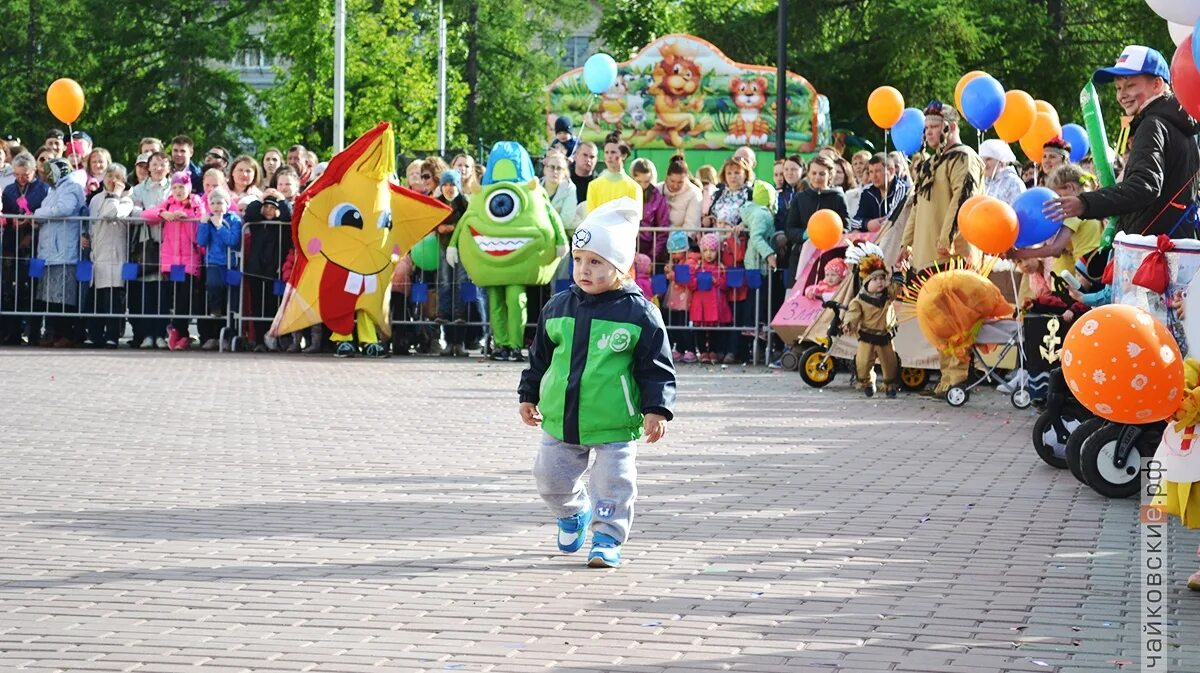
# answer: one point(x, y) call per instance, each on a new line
point(1007, 335)
point(798, 311)
point(1061, 419)
point(824, 350)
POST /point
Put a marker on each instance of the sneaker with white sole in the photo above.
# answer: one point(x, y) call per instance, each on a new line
point(148, 342)
point(1014, 383)
point(572, 531)
point(606, 553)
point(210, 345)
point(161, 343)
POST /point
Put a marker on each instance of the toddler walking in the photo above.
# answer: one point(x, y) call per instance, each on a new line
point(599, 376)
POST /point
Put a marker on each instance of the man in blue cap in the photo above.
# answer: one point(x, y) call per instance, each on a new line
point(1159, 182)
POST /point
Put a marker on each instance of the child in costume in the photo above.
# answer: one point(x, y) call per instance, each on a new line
point(835, 273)
point(872, 318)
point(627, 388)
point(678, 300)
point(709, 307)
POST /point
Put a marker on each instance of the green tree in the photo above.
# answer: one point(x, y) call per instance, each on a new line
point(391, 73)
point(507, 54)
point(157, 70)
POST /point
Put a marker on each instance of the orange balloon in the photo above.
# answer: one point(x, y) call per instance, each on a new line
point(65, 100)
point(962, 84)
point(1044, 128)
point(825, 229)
point(967, 206)
point(1123, 365)
point(884, 106)
point(1043, 106)
point(1019, 111)
point(990, 226)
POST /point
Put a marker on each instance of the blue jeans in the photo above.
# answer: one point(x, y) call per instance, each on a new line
point(451, 307)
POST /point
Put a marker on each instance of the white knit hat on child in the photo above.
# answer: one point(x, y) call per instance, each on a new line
point(610, 231)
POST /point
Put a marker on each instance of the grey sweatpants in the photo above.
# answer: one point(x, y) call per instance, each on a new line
point(559, 472)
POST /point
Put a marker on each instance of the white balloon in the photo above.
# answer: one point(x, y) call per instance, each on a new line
point(1179, 32)
point(1183, 12)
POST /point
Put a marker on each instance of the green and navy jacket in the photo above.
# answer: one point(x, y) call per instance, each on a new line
point(597, 364)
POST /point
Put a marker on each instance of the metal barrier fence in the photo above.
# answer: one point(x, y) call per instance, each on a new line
point(156, 276)
point(719, 307)
point(80, 278)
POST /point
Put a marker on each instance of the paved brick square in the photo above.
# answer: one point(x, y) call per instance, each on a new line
point(165, 512)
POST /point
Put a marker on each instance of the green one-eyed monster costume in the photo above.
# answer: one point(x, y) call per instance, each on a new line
point(510, 237)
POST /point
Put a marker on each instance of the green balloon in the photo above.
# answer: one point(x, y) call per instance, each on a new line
point(425, 253)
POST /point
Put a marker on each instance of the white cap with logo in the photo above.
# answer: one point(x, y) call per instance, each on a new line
point(610, 232)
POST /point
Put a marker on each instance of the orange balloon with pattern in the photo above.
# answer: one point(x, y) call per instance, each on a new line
point(1123, 365)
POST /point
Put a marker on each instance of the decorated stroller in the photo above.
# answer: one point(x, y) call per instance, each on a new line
point(814, 326)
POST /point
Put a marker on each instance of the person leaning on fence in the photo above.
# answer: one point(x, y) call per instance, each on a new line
point(451, 307)
point(220, 234)
point(58, 242)
point(268, 241)
point(22, 197)
point(144, 294)
point(678, 300)
point(179, 257)
point(656, 213)
point(710, 306)
point(108, 239)
point(683, 196)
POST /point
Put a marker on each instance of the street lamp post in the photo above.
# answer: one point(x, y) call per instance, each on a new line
point(781, 84)
point(339, 75)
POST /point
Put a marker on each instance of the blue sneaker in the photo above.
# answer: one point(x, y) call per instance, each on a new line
point(572, 531)
point(606, 553)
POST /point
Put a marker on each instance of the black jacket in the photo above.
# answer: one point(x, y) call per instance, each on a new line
point(1160, 176)
point(804, 204)
point(269, 243)
point(457, 207)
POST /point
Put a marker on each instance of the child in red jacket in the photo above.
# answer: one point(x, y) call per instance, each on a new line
point(710, 307)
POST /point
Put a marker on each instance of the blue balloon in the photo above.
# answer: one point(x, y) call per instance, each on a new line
point(1078, 137)
point(1033, 226)
point(982, 102)
point(1195, 40)
point(599, 73)
point(909, 133)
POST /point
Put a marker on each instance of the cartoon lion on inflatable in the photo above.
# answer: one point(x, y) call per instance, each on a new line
point(676, 77)
point(750, 97)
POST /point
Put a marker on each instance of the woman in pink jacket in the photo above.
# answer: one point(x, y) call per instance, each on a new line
point(180, 257)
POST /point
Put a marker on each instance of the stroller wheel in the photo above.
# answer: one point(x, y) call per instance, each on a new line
point(789, 360)
point(1075, 444)
point(1051, 433)
point(957, 396)
point(913, 380)
point(1096, 461)
point(816, 367)
point(1021, 398)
